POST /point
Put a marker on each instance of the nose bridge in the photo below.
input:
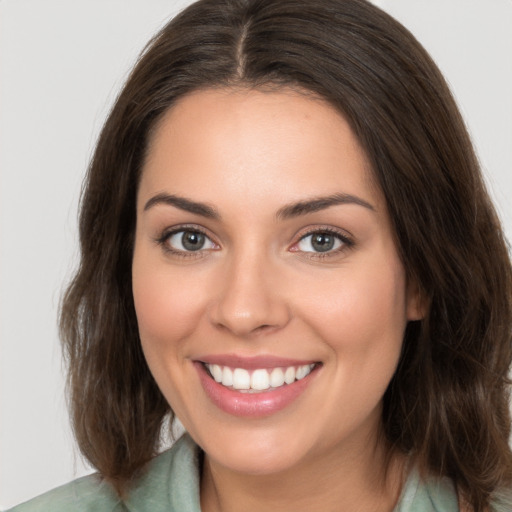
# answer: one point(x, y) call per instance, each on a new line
point(248, 300)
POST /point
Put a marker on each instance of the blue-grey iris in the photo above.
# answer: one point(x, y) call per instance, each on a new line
point(322, 242)
point(192, 240)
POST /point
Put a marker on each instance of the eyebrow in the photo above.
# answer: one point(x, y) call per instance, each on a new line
point(320, 203)
point(286, 212)
point(182, 203)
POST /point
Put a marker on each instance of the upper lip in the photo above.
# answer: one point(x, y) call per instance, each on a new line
point(252, 362)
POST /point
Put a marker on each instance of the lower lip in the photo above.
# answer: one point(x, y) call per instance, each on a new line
point(252, 405)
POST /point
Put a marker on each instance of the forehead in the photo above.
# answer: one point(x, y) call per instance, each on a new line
point(255, 144)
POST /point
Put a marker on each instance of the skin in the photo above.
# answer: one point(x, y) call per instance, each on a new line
point(257, 289)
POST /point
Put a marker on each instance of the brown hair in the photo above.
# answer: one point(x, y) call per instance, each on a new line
point(447, 404)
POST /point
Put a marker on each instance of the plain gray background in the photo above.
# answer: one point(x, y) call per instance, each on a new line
point(61, 64)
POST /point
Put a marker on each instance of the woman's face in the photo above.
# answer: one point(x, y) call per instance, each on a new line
point(264, 261)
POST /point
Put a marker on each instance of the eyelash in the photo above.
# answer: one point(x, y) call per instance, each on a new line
point(166, 235)
point(346, 242)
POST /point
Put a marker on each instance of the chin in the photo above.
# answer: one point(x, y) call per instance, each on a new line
point(254, 452)
point(254, 462)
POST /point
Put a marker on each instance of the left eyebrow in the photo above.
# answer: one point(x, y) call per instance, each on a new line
point(320, 203)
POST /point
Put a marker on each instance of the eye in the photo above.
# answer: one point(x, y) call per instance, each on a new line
point(323, 242)
point(188, 240)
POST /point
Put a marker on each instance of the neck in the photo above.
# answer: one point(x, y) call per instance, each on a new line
point(346, 478)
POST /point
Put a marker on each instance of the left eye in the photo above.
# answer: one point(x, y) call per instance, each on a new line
point(189, 241)
point(320, 241)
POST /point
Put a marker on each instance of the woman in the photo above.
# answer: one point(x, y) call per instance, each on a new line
point(286, 243)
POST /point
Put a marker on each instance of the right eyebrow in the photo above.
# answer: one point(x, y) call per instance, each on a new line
point(183, 203)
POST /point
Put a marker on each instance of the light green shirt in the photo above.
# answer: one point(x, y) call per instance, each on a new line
point(171, 484)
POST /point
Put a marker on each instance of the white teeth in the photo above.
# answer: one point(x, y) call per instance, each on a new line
point(241, 379)
point(217, 372)
point(227, 376)
point(260, 379)
point(277, 378)
point(289, 375)
point(301, 372)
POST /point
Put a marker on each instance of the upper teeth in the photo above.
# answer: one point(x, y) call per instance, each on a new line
point(260, 379)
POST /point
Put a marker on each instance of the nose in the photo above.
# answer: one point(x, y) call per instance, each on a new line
point(251, 297)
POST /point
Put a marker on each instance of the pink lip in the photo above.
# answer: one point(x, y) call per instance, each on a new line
point(252, 405)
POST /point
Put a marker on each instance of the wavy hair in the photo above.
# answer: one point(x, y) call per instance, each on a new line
point(447, 405)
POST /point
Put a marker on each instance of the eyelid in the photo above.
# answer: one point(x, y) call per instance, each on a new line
point(346, 239)
point(167, 233)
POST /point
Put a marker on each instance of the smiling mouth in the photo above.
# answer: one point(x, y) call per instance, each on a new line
point(257, 380)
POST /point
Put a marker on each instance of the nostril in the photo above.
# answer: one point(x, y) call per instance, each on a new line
point(248, 310)
point(247, 330)
point(263, 328)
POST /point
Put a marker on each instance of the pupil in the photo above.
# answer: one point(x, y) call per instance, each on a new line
point(192, 241)
point(322, 242)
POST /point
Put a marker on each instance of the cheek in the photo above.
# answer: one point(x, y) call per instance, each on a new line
point(168, 303)
point(361, 316)
point(359, 304)
point(168, 306)
point(161, 311)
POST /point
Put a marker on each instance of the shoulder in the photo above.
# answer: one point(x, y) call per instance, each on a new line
point(89, 493)
point(439, 495)
point(427, 495)
point(502, 501)
point(169, 482)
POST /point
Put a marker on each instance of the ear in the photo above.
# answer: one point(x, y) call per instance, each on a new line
point(417, 306)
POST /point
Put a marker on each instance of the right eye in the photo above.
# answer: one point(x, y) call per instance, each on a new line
point(187, 240)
